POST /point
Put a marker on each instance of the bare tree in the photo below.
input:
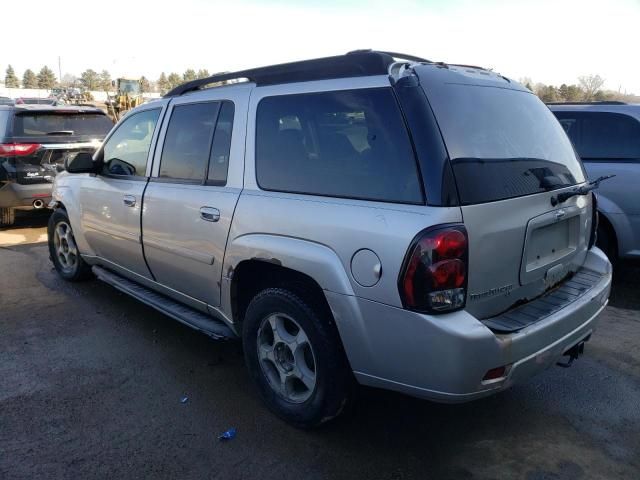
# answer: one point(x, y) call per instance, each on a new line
point(591, 84)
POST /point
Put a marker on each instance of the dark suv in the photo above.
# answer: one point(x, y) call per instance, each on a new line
point(34, 142)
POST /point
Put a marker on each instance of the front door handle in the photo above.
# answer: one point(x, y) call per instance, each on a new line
point(129, 200)
point(209, 214)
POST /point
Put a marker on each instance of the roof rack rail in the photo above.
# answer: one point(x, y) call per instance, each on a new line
point(600, 102)
point(358, 63)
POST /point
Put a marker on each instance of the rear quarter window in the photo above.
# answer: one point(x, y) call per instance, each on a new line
point(609, 135)
point(349, 144)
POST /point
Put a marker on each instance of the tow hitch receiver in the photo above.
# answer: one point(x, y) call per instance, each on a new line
point(573, 353)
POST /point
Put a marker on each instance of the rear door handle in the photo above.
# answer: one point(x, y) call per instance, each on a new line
point(209, 214)
point(129, 200)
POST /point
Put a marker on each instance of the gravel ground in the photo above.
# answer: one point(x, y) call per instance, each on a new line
point(91, 383)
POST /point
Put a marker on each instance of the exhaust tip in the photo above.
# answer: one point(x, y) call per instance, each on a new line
point(38, 204)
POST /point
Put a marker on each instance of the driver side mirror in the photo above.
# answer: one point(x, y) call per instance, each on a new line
point(80, 163)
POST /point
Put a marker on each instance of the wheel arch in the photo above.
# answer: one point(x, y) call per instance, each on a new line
point(261, 260)
point(65, 197)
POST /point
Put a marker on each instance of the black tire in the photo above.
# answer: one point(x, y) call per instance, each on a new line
point(74, 271)
point(7, 217)
point(334, 388)
point(606, 241)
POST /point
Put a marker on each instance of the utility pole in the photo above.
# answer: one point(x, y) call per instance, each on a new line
point(59, 71)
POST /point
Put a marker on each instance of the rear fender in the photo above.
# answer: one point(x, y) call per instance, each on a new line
point(619, 220)
point(313, 259)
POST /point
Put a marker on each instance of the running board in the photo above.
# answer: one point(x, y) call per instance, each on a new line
point(208, 325)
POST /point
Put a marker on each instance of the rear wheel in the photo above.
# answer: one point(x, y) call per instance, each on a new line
point(63, 249)
point(296, 359)
point(7, 217)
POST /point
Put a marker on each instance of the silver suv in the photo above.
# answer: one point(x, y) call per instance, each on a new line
point(369, 218)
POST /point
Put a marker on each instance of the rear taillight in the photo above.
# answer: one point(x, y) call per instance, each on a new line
point(594, 220)
point(18, 149)
point(434, 273)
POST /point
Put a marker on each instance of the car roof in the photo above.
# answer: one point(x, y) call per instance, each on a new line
point(632, 109)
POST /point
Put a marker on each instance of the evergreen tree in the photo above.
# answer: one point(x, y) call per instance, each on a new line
point(46, 78)
point(189, 75)
point(90, 79)
point(105, 81)
point(174, 80)
point(145, 85)
point(29, 79)
point(163, 83)
point(10, 79)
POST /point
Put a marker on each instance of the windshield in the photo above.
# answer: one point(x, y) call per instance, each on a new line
point(503, 143)
point(130, 86)
point(40, 124)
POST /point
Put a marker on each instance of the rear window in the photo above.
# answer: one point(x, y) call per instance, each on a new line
point(503, 143)
point(351, 144)
point(38, 124)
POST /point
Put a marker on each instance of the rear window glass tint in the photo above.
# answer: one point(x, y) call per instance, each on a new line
point(609, 135)
point(502, 143)
point(351, 144)
point(78, 124)
point(187, 143)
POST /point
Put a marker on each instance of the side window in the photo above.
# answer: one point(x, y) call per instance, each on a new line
point(219, 161)
point(127, 150)
point(609, 135)
point(4, 117)
point(350, 144)
point(187, 143)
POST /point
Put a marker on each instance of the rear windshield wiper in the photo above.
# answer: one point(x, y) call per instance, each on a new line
point(60, 132)
point(564, 196)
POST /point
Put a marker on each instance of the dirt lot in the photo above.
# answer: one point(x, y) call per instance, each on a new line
point(91, 383)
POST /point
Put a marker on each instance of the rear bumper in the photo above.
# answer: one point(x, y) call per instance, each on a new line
point(444, 358)
point(15, 195)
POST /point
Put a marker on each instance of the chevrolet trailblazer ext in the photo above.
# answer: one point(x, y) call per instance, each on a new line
point(371, 217)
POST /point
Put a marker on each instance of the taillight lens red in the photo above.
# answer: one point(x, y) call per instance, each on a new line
point(434, 274)
point(18, 149)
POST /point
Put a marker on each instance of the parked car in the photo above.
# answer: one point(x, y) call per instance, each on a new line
point(6, 101)
point(34, 141)
point(370, 217)
point(607, 138)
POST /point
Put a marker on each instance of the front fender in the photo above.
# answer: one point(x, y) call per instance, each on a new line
point(64, 195)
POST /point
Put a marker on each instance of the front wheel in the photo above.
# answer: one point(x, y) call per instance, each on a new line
point(63, 249)
point(295, 358)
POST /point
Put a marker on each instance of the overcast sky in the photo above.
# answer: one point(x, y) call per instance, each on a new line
point(548, 41)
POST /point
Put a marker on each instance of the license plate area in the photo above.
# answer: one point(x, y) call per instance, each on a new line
point(551, 239)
